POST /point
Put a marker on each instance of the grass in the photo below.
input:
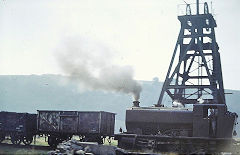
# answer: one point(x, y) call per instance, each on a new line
point(15, 150)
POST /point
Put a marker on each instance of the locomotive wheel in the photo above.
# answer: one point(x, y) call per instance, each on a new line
point(27, 140)
point(16, 139)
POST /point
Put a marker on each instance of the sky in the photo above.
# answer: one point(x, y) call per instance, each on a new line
point(140, 33)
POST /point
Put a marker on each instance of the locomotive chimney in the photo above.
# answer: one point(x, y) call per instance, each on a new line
point(136, 103)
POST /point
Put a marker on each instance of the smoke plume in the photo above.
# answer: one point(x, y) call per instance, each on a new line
point(91, 64)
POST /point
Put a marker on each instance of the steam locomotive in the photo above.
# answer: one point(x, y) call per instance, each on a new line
point(179, 129)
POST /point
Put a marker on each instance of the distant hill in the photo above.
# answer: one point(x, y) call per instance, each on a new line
point(28, 93)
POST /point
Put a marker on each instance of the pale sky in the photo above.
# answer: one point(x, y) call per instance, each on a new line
point(141, 33)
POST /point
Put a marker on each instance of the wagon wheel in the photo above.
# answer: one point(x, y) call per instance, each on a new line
point(27, 140)
point(16, 139)
point(52, 141)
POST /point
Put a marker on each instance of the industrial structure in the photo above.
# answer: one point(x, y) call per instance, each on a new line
point(198, 73)
point(198, 119)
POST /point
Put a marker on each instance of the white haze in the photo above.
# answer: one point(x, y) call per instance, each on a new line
point(92, 65)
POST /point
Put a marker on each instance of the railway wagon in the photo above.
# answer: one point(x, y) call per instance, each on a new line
point(88, 125)
point(21, 127)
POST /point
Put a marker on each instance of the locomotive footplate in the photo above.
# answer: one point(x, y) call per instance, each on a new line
point(178, 144)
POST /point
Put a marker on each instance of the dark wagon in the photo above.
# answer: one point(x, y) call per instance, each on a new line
point(62, 125)
point(21, 127)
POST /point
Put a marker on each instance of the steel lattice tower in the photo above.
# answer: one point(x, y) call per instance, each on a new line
point(197, 74)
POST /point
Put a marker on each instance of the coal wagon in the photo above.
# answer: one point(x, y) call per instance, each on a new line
point(62, 125)
point(21, 127)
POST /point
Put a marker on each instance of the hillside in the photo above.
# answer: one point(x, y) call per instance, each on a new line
point(28, 93)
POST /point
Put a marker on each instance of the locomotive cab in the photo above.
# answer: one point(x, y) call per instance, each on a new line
point(213, 120)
